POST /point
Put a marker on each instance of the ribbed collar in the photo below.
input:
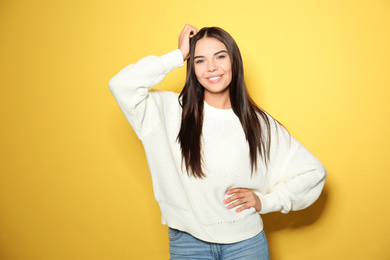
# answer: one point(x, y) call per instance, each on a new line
point(218, 112)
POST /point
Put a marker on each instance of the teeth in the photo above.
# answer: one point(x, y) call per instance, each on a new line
point(214, 78)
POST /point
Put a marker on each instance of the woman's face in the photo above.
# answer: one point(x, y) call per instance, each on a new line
point(213, 68)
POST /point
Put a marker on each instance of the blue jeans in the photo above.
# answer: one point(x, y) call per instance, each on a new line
point(184, 246)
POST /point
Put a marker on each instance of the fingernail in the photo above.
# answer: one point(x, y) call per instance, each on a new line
point(229, 206)
point(237, 210)
point(224, 201)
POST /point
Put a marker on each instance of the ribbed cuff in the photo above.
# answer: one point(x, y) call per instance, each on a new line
point(172, 60)
point(269, 203)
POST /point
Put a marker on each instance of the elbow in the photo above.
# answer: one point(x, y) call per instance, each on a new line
point(322, 174)
point(315, 192)
point(315, 183)
point(318, 175)
point(116, 86)
point(112, 84)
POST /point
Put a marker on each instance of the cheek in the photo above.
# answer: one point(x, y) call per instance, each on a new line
point(227, 67)
point(198, 72)
point(228, 70)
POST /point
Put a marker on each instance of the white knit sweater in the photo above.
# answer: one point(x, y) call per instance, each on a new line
point(293, 180)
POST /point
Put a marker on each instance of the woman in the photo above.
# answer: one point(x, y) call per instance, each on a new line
point(215, 158)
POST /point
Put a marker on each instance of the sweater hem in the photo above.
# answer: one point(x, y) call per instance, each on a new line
point(223, 232)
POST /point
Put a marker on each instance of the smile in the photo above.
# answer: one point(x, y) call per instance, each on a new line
point(215, 79)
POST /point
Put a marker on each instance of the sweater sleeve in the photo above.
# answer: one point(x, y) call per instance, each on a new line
point(295, 176)
point(130, 88)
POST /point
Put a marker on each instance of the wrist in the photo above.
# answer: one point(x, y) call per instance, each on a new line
point(184, 54)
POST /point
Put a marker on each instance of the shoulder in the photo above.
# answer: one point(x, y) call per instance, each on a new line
point(275, 130)
point(268, 121)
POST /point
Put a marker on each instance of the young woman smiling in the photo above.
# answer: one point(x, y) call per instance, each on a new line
point(216, 159)
point(214, 71)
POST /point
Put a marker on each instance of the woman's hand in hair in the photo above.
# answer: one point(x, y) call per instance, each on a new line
point(243, 197)
point(184, 40)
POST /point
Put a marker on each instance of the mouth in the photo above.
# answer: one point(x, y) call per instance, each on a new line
point(215, 78)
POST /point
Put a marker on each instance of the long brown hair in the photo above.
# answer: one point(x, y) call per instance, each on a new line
point(191, 100)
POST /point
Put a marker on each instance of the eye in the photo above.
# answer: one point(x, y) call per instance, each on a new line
point(199, 61)
point(219, 57)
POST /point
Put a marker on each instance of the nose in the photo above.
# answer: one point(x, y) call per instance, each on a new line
point(212, 66)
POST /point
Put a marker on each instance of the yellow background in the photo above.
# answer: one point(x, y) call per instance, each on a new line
point(74, 182)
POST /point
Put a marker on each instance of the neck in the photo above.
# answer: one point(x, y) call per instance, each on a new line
point(218, 101)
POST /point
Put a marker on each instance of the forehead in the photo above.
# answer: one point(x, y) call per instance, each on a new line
point(208, 46)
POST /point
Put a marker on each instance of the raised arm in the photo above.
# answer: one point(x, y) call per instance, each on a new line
point(131, 85)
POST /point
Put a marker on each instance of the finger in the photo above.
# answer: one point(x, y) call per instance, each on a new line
point(233, 198)
point(248, 200)
point(243, 207)
point(236, 203)
point(238, 195)
point(187, 30)
point(237, 190)
point(242, 193)
point(183, 32)
point(194, 30)
point(184, 37)
point(241, 200)
point(246, 204)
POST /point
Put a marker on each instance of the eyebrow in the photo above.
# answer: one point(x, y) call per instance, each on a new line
point(197, 57)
